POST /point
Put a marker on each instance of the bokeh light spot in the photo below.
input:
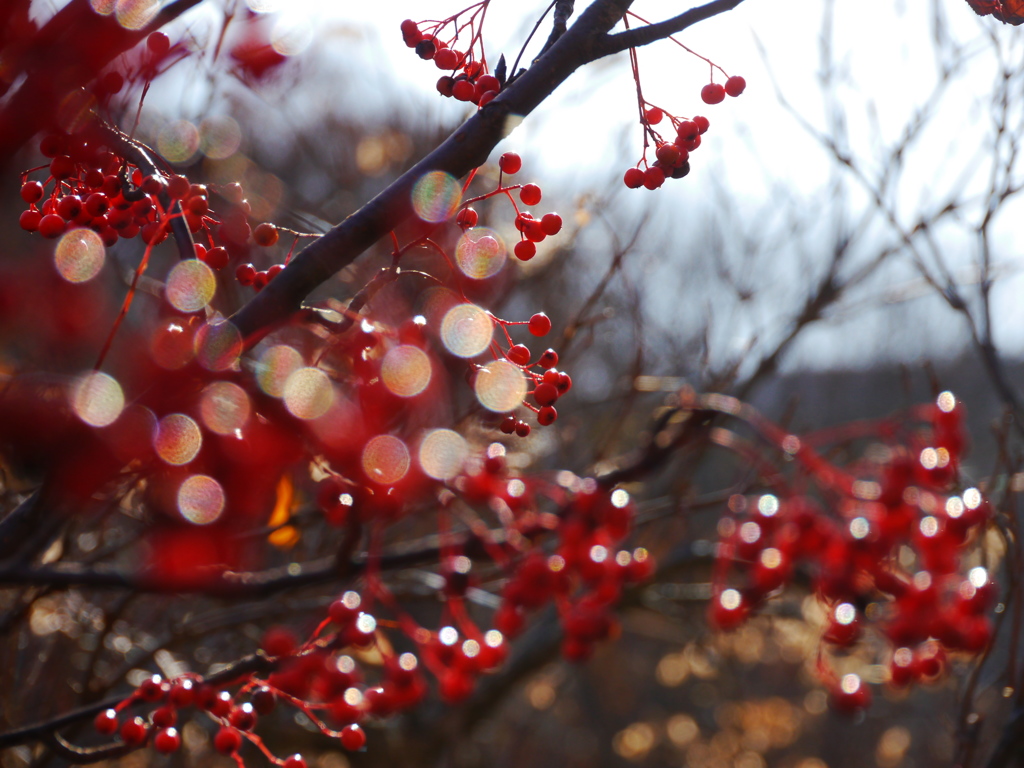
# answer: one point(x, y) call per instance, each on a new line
point(218, 345)
point(308, 393)
point(224, 407)
point(500, 386)
point(178, 439)
point(436, 196)
point(385, 459)
point(79, 255)
point(405, 370)
point(466, 330)
point(179, 142)
point(442, 454)
point(480, 253)
point(275, 365)
point(219, 137)
point(97, 399)
point(135, 14)
point(190, 286)
point(200, 499)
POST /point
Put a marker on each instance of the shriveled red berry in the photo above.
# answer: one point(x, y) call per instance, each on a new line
point(227, 741)
point(530, 194)
point(735, 85)
point(353, 737)
point(509, 163)
point(167, 740)
point(32, 191)
point(265, 234)
point(633, 178)
point(106, 722)
point(540, 324)
point(712, 93)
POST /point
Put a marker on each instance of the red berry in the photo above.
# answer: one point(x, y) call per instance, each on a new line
point(217, 257)
point(295, 761)
point(274, 270)
point(265, 234)
point(551, 223)
point(851, 695)
point(702, 123)
point(530, 194)
point(245, 274)
point(634, 178)
point(159, 44)
point(508, 425)
point(62, 167)
point(446, 59)
point(549, 359)
point(411, 33)
point(547, 415)
point(463, 90)
point(264, 700)
point(525, 250)
point(105, 722)
point(426, 49)
point(243, 717)
point(734, 85)
point(279, 641)
point(445, 84)
point(97, 204)
point(69, 206)
point(488, 83)
point(29, 220)
point(540, 324)
point(654, 177)
point(519, 354)
point(111, 83)
point(545, 394)
point(467, 218)
point(31, 191)
point(51, 226)
point(227, 741)
point(668, 154)
point(134, 732)
point(152, 689)
point(534, 231)
point(167, 740)
point(485, 98)
point(509, 163)
point(353, 737)
point(654, 115)
point(523, 430)
point(712, 93)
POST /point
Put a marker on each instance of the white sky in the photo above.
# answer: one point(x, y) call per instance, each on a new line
point(885, 70)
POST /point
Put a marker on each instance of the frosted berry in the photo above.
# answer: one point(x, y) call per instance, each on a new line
point(540, 324)
point(712, 93)
point(530, 194)
point(734, 85)
point(509, 163)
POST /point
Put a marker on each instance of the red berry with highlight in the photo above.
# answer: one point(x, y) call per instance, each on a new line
point(159, 44)
point(106, 722)
point(51, 226)
point(509, 163)
point(31, 191)
point(633, 178)
point(530, 194)
point(540, 324)
point(227, 741)
point(353, 737)
point(551, 223)
point(167, 740)
point(134, 732)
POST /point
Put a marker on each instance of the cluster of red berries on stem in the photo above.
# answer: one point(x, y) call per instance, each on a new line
point(891, 556)
point(469, 80)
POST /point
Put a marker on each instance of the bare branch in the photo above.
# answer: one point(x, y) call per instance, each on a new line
point(634, 38)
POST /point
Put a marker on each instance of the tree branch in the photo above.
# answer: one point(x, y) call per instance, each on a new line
point(651, 33)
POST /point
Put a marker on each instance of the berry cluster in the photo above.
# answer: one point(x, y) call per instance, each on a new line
point(890, 556)
point(96, 186)
point(470, 80)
